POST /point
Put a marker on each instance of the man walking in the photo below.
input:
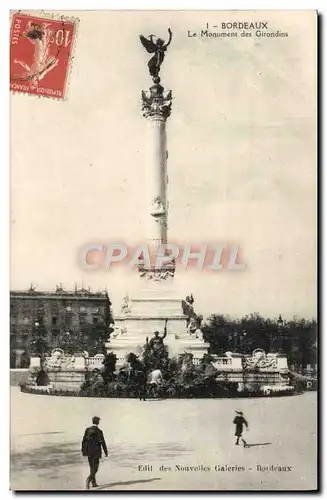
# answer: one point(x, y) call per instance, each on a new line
point(239, 421)
point(143, 385)
point(92, 444)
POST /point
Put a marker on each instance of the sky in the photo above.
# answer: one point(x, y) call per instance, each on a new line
point(242, 158)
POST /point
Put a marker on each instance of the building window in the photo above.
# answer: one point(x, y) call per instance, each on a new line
point(54, 320)
point(82, 319)
point(68, 320)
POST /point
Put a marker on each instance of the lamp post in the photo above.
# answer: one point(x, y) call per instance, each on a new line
point(67, 340)
point(280, 330)
point(36, 336)
point(243, 335)
point(39, 344)
point(235, 341)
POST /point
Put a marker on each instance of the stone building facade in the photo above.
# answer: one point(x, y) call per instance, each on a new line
point(67, 318)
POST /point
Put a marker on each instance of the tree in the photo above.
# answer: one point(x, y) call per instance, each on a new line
point(71, 342)
point(96, 338)
point(217, 333)
point(97, 334)
point(297, 339)
point(38, 344)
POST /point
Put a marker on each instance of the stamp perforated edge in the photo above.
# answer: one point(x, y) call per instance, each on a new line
point(55, 16)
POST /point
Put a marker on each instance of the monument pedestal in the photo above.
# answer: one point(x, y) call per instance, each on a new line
point(146, 314)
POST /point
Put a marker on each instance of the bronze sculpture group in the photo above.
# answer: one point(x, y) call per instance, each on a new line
point(153, 372)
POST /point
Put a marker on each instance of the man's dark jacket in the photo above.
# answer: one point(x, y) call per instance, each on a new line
point(92, 443)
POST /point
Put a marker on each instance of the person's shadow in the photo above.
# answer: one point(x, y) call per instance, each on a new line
point(250, 445)
point(122, 483)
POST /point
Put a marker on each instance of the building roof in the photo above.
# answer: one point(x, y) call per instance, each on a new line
point(59, 293)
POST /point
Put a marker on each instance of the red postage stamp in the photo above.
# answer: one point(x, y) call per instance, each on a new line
point(40, 55)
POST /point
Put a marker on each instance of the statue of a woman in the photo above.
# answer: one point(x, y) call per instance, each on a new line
point(157, 47)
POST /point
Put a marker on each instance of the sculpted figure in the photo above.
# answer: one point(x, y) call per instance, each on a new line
point(157, 47)
point(156, 345)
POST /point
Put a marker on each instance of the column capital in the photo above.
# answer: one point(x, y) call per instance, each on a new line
point(156, 102)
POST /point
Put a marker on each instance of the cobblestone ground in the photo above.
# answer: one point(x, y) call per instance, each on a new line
point(46, 434)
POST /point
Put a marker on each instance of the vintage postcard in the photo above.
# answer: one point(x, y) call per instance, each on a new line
point(163, 301)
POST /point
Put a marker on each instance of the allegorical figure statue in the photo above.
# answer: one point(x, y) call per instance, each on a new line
point(157, 47)
point(156, 345)
point(188, 309)
point(193, 320)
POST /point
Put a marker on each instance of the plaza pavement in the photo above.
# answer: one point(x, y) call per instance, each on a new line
point(46, 437)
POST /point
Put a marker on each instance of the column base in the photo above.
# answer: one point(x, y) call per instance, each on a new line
point(165, 273)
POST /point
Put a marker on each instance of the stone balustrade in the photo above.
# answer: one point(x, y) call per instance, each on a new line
point(228, 364)
point(95, 361)
point(222, 363)
point(69, 372)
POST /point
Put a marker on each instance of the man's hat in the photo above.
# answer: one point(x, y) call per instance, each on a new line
point(239, 412)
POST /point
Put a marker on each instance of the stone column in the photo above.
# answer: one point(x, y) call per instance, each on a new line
point(156, 180)
point(156, 106)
